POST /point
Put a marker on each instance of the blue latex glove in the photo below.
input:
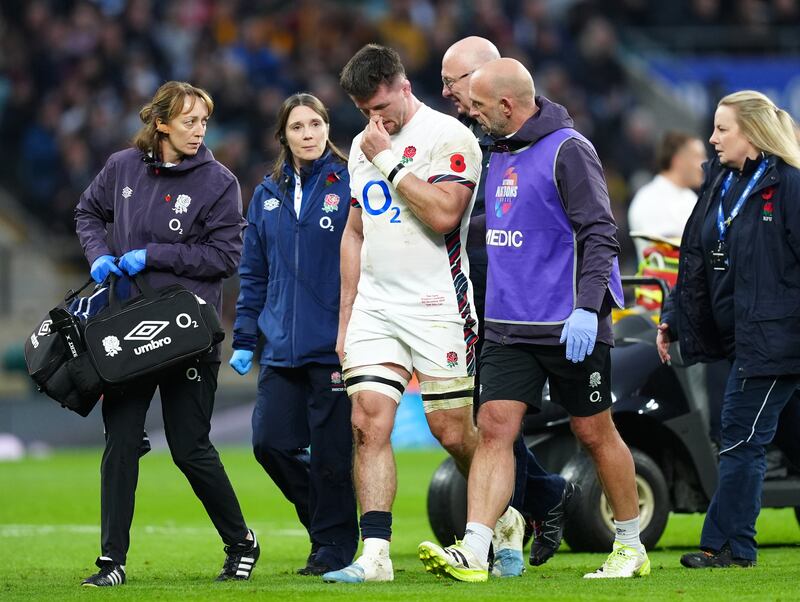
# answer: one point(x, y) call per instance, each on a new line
point(580, 333)
point(242, 361)
point(102, 266)
point(133, 261)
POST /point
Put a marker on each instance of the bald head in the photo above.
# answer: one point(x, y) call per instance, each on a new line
point(458, 64)
point(507, 77)
point(502, 94)
point(470, 53)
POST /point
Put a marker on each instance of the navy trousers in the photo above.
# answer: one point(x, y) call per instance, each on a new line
point(750, 413)
point(298, 409)
point(535, 489)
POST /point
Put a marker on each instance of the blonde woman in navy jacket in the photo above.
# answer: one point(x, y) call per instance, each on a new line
point(738, 297)
point(290, 295)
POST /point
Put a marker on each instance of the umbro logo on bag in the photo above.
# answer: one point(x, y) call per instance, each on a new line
point(44, 329)
point(152, 345)
point(146, 330)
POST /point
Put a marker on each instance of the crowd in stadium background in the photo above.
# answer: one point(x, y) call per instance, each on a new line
point(74, 73)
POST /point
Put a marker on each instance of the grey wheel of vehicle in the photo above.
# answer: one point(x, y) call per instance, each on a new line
point(590, 525)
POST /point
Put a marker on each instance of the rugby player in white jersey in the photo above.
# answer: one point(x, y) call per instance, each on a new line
point(406, 301)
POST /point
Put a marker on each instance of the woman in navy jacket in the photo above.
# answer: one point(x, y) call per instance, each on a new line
point(738, 297)
point(289, 293)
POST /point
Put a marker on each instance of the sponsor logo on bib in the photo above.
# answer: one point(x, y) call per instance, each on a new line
point(506, 192)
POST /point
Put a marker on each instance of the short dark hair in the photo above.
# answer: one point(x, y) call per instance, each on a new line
point(671, 143)
point(370, 67)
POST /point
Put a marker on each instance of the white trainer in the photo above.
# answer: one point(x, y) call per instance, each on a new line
point(509, 533)
point(623, 562)
point(365, 568)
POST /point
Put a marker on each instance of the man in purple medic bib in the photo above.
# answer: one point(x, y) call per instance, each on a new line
point(552, 280)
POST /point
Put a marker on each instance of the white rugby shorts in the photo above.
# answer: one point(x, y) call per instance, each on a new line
point(433, 346)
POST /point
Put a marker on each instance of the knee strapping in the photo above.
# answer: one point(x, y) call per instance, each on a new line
point(375, 378)
point(447, 394)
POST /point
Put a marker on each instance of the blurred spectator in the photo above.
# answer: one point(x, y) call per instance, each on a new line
point(401, 32)
point(39, 168)
point(704, 12)
point(786, 12)
point(661, 207)
point(632, 152)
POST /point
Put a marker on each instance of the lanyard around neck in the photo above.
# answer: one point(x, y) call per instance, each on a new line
point(722, 223)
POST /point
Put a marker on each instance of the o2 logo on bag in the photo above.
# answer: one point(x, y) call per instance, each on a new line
point(185, 321)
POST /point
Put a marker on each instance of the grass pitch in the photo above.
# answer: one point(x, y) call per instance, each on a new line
point(49, 537)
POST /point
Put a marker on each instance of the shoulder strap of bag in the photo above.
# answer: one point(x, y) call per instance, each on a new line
point(144, 286)
point(71, 294)
point(141, 283)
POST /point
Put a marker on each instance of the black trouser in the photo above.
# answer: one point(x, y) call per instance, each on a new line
point(297, 408)
point(187, 401)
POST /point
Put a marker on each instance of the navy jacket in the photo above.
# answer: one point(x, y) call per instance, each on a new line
point(764, 247)
point(188, 217)
point(289, 275)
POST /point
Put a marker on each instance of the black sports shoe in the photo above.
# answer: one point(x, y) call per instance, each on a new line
point(709, 559)
point(547, 533)
point(316, 568)
point(110, 574)
point(309, 561)
point(240, 560)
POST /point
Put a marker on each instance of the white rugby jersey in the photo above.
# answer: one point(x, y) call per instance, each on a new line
point(406, 266)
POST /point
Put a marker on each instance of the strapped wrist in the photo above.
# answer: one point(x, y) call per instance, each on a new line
point(390, 166)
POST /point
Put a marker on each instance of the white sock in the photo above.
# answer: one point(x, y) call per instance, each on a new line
point(627, 533)
point(477, 538)
point(504, 538)
point(375, 547)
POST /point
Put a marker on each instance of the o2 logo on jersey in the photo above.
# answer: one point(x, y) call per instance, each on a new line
point(380, 201)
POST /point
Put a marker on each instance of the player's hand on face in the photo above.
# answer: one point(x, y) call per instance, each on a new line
point(375, 139)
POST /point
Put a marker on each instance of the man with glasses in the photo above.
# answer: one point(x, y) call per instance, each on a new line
point(542, 497)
